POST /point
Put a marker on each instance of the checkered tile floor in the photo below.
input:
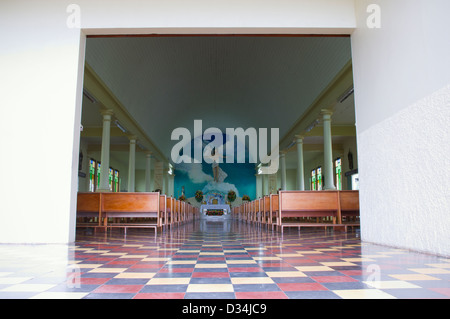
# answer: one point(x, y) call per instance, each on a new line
point(225, 260)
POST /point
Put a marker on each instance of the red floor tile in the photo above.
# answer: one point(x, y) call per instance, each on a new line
point(333, 279)
point(357, 272)
point(245, 269)
point(173, 270)
point(149, 266)
point(443, 291)
point(261, 295)
point(118, 289)
point(93, 281)
point(162, 295)
point(122, 262)
point(211, 259)
point(184, 256)
point(210, 275)
point(301, 286)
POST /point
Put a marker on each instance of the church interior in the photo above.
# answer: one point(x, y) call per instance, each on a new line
point(222, 238)
point(218, 151)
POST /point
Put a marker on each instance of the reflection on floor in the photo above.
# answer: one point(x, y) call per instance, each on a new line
point(220, 259)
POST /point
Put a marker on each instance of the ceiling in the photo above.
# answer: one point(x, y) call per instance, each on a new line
point(165, 82)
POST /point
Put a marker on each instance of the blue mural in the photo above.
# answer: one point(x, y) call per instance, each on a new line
point(216, 178)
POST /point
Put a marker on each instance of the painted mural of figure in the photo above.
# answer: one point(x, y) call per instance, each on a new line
point(218, 173)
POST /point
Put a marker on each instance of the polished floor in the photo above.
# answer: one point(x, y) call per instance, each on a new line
point(220, 259)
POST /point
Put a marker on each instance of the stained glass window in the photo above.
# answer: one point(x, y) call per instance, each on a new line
point(313, 180)
point(111, 179)
point(98, 174)
point(319, 178)
point(94, 177)
point(116, 180)
point(92, 167)
point(338, 170)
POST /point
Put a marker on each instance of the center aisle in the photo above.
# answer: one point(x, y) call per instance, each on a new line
point(223, 259)
point(228, 259)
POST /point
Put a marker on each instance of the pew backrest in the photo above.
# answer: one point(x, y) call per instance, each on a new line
point(266, 204)
point(130, 202)
point(88, 203)
point(308, 201)
point(349, 200)
point(274, 202)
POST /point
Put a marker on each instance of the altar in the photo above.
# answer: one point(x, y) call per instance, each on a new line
point(215, 205)
point(215, 209)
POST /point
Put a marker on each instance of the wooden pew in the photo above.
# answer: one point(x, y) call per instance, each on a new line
point(187, 211)
point(307, 204)
point(89, 205)
point(349, 202)
point(274, 210)
point(170, 210)
point(314, 204)
point(258, 210)
point(176, 210)
point(163, 210)
point(265, 210)
point(132, 205)
point(253, 211)
point(183, 207)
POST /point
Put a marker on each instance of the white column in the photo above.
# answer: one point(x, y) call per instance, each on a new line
point(106, 136)
point(164, 180)
point(258, 185)
point(132, 164)
point(327, 151)
point(148, 172)
point(171, 191)
point(283, 169)
point(265, 178)
point(300, 167)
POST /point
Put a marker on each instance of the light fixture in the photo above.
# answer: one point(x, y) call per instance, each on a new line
point(120, 126)
point(140, 145)
point(346, 95)
point(290, 145)
point(312, 125)
point(89, 96)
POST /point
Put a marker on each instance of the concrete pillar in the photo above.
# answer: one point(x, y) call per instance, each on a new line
point(148, 172)
point(283, 169)
point(265, 178)
point(327, 151)
point(106, 136)
point(258, 185)
point(132, 164)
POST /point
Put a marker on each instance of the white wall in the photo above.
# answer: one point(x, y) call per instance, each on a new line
point(39, 63)
point(402, 96)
